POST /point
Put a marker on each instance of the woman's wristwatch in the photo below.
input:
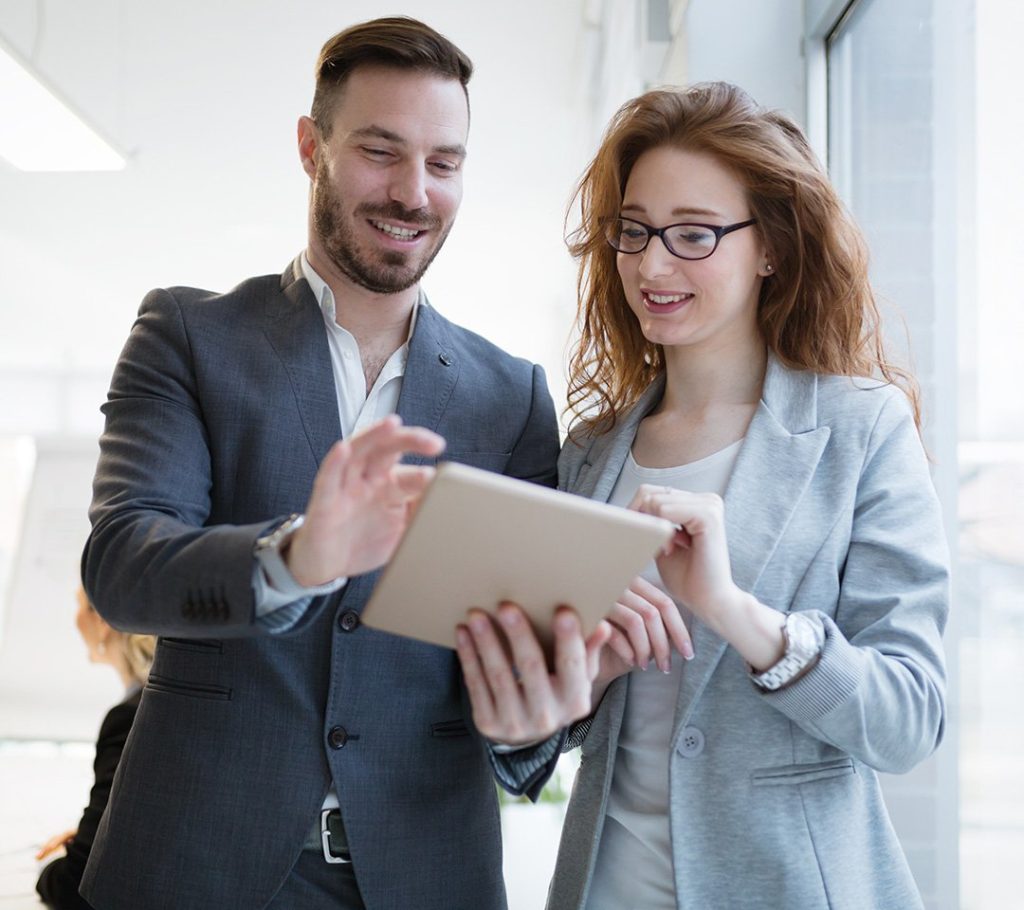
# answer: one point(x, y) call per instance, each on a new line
point(805, 637)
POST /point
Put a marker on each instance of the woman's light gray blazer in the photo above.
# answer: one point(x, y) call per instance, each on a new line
point(774, 799)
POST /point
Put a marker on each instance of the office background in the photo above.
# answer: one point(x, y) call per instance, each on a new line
point(911, 102)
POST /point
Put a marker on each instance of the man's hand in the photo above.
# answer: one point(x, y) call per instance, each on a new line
point(361, 502)
point(516, 700)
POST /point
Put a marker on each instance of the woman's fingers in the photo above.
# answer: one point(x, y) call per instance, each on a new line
point(660, 648)
point(678, 634)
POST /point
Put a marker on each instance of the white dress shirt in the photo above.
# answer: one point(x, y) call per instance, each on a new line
point(356, 409)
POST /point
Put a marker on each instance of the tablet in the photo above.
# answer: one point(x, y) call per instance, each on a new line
point(479, 538)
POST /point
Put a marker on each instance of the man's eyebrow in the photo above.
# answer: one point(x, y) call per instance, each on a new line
point(373, 131)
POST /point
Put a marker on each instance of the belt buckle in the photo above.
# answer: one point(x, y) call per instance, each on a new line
point(325, 841)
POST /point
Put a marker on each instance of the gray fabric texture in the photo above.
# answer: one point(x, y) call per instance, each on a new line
point(830, 509)
point(221, 408)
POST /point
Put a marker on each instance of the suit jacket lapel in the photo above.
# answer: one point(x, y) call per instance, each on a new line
point(776, 461)
point(431, 372)
point(294, 326)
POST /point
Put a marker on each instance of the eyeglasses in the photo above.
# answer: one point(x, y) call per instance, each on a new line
point(687, 241)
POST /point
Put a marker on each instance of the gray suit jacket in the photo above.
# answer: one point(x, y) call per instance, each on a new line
point(830, 508)
point(221, 408)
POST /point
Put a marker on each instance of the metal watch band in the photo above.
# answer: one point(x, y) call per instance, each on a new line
point(805, 637)
point(268, 553)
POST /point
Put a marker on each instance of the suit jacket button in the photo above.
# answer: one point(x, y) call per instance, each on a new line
point(337, 737)
point(348, 621)
point(691, 742)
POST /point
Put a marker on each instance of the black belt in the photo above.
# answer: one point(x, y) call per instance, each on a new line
point(329, 838)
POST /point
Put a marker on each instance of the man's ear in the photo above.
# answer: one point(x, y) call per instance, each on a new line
point(309, 145)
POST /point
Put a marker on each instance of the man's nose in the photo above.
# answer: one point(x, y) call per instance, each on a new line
point(409, 187)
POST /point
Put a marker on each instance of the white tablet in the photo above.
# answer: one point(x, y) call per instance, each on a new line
point(480, 538)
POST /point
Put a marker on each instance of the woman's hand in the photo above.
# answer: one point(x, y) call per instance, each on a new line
point(695, 568)
point(695, 564)
point(55, 843)
point(646, 626)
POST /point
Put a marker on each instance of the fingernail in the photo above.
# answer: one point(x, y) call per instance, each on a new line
point(509, 617)
point(565, 621)
point(478, 623)
point(461, 636)
point(688, 652)
point(665, 667)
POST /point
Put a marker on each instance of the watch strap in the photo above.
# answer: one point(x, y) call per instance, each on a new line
point(268, 552)
point(805, 637)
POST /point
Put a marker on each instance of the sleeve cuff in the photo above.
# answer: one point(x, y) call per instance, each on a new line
point(524, 771)
point(277, 610)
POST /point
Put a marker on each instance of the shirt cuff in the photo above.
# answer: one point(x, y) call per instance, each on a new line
point(526, 769)
point(278, 610)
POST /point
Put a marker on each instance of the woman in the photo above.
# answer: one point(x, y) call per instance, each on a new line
point(131, 656)
point(730, 377)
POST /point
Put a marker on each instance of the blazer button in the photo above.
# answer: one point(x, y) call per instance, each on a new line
point(337, 737)
point(348, 621)
point(691, 742)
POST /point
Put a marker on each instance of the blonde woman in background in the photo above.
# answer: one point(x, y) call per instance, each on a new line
point(131, 656)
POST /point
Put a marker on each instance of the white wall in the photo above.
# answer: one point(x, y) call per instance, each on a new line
point(757, 44)
point(204, 98)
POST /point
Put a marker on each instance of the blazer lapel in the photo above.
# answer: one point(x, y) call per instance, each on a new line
point(597, 475)
point(431, 372)
point(295, 329)
point(779, 455)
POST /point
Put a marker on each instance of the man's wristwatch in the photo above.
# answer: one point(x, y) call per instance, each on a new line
point(268, 552)
point(805, 637)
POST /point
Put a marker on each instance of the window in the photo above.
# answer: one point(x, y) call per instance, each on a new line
point(902, 149)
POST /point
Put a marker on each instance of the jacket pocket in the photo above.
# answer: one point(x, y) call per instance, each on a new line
point(191, 690)
point(196, 645)
point(788, 775)
point(450, 728)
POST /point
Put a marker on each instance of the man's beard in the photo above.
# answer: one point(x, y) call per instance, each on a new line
point(386, 272)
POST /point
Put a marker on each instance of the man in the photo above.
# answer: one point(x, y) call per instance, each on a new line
point(284, 755)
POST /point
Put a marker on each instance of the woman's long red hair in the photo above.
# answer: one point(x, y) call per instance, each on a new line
point(817, 311)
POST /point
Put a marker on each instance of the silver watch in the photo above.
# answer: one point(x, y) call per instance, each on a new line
point(268, 552)
point(805, 637)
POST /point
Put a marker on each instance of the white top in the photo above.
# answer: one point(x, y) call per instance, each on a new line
point(634, 862)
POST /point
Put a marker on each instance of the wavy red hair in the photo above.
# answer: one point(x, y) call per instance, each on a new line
point(817, 311)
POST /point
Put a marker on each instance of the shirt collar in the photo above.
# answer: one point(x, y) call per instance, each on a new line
point(325, 298)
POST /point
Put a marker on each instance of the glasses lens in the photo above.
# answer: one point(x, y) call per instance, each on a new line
point(626, 236)
point(691, 241)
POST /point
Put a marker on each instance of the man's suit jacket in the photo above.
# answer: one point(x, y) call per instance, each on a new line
point(221, 408)
point(59, 881)
point(773, 797)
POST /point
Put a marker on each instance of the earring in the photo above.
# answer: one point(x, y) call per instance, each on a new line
point(768, 267)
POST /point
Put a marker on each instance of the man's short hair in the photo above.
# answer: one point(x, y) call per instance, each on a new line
point(394, 41)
